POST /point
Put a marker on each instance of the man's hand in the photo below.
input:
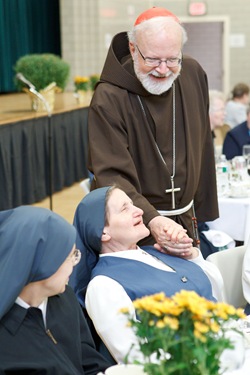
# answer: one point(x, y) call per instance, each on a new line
point(171, 237)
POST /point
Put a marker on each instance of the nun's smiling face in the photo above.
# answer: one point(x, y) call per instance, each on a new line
point(125, 224)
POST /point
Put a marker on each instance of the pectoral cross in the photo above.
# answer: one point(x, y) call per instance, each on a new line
point(172, 191)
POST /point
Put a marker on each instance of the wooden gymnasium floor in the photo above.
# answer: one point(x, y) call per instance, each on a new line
point(64, 202)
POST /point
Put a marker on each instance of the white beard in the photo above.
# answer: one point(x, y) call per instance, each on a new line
point(153, 86)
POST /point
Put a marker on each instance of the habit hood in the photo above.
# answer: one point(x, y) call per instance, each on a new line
point(34, 242)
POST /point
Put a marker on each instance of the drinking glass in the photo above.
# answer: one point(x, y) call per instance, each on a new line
point(248, 166)
point(246, 151)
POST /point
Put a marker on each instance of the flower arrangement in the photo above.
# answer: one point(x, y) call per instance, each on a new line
point(82, 83)
point(86, 83)
point(185, 334)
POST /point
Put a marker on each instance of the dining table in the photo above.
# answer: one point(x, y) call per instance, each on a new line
point(234, 217)
point(233, 201)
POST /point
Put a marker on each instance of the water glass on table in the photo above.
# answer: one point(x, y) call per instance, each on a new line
point(246, 152)
point(248, 165)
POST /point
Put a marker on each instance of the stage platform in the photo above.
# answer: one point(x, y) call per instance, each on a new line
point(25, 154)
point(17, 107)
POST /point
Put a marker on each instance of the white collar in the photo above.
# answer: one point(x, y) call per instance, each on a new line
point(43, 306)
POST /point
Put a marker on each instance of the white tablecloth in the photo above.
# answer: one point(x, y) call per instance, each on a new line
point(234, 218)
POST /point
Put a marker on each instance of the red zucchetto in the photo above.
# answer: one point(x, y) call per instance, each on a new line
point(154, 12)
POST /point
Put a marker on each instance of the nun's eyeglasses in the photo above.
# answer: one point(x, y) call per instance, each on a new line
point(76, 257)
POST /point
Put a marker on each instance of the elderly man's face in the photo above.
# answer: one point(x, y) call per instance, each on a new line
point(163, 45)
point(217, 113)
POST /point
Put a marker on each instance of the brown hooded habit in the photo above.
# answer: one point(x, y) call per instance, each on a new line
point(131, 132)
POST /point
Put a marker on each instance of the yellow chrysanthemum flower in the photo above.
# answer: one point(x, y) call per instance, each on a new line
point(172, 323)
point(199, 336)
point(201, 327)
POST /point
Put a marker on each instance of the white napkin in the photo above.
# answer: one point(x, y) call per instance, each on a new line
point(219, 238)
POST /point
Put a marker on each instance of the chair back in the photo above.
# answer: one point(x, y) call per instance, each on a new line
point(220, 134)
point(230, 263)
point(85, 185)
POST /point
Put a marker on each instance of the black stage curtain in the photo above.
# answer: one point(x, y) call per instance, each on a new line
point(26, 26)
point(25, 157)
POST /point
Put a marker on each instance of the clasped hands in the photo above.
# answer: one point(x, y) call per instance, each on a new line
point(172, 238)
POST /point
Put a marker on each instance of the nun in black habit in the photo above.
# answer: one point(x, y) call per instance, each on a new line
point(42, 328)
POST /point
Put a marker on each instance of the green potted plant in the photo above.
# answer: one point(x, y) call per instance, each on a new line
point(42, 69)
point(47, 72)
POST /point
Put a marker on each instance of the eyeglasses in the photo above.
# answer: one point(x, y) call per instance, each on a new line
point(76, 257)
point(171, 62)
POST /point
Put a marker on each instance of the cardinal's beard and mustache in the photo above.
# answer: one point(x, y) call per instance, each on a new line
point(155, 87)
